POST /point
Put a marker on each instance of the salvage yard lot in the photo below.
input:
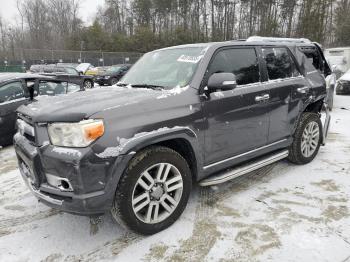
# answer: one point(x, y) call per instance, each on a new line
point(282, 212)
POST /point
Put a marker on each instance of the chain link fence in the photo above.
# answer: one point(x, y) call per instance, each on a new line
point(28, 57)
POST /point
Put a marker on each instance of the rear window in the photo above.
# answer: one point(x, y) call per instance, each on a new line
point(279, 63)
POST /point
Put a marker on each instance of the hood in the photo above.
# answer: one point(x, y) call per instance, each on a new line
point(83, 67)
point(345, 77)
point(77, 106)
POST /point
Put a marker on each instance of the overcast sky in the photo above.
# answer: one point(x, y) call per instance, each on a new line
point(8, 9)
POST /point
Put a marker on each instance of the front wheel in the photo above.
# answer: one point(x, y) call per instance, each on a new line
point(307, 139)
point(114, 81)
point(88, 84)
point(153, 191)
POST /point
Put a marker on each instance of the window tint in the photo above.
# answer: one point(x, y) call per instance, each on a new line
point(11, 91)
point(71, 71)
point(279, 63)
point(52, 88)
point(242, 62)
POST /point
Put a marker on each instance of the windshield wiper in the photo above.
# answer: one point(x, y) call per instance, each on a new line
point(155, 87)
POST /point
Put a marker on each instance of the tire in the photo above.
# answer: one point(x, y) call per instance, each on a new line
point(306, 143)
point(114, 81)
point(127, 209)
point(88, 84)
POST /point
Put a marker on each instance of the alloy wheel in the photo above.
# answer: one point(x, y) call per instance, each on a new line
point(310, 139)
point(157, 193)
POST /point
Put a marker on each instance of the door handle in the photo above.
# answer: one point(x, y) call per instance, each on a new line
point(262, 98)
point(303, 90)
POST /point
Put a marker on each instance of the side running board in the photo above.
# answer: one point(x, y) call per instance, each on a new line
point(244, 169)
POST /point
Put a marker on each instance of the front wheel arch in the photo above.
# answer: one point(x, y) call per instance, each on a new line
point(122, 204)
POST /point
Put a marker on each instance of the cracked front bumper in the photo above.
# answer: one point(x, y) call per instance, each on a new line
point(93, 180)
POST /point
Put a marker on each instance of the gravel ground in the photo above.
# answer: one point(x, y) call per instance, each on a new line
point(282, 212)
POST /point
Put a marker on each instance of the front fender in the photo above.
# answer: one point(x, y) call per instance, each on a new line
point(123, 153)
point(129, 147)
point(144, 139)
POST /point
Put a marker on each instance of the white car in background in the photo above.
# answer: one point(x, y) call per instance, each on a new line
point(339, 59)
point(343, 84)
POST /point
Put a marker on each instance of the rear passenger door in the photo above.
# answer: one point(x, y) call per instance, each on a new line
point(237, 121)
point(287, 87)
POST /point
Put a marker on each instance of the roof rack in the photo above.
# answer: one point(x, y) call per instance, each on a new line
point(278, 39)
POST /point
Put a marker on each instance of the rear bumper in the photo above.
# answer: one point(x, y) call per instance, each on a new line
point(93, 180)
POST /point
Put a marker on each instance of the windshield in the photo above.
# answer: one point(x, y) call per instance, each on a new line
point(113, 69)
point(167, 68)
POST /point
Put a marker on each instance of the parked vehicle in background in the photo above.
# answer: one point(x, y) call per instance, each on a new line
point(18, 89)
point(84, 67)
point(314, 54)
point(343, 84)
point(202, 113)
point(112, 75)
point(68, 64)
point(339, 59)
point(96, 70)
point(64, 73)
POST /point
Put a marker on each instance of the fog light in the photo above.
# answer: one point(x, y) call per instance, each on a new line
point(61, 183)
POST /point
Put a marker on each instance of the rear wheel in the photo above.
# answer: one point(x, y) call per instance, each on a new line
point(153, 191)
point(307, 139)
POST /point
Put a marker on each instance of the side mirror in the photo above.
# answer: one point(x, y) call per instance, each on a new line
point(221, 81)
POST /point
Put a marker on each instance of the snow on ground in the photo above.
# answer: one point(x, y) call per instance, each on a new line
point(282, 212)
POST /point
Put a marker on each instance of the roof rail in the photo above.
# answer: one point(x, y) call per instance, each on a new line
point(278, 39)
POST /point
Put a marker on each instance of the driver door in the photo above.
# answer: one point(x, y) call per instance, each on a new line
point(12, 96)
point(237, 120)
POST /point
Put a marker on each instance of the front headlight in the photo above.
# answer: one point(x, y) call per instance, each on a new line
point(79, 134)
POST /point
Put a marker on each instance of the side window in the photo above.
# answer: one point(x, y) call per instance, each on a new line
point(72, 71)
point(11, 91)
point(279, 63)
point(243, 62)
point(52, 88)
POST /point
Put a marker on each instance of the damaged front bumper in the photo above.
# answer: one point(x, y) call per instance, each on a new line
point(71, 180)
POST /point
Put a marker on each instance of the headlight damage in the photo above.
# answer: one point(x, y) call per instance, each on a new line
point(79, 134)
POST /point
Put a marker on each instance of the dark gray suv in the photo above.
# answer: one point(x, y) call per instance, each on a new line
point(203, 113)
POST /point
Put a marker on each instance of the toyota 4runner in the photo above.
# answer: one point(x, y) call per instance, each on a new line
point(203, 113)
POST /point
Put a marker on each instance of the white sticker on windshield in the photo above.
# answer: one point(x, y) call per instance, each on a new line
point(189, 59)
